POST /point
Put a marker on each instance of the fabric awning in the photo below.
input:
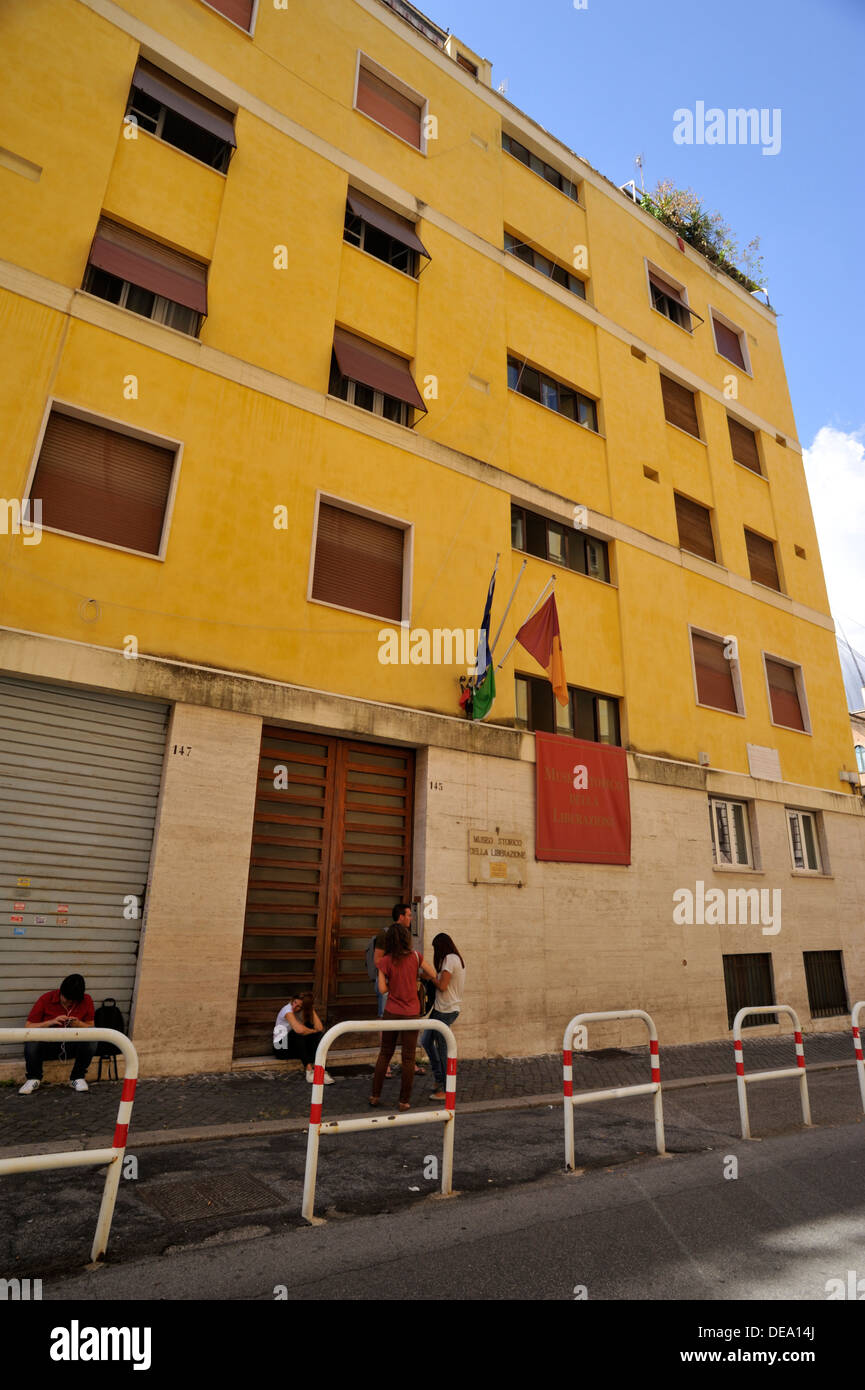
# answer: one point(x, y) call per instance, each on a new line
point(376, 367)
point(673, 292)
point(185, 101)
point(386, 221)
point(150, 265)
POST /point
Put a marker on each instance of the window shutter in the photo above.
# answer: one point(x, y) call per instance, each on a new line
point(695, 527)
point(358, 562)
point(240, 11)
point(743, 442)
point(729, 343)
point(714, 674)
point(148, 264)
point(98, 483)
point(680, 406)
point(784, 695)
point(183, 100)
point(761, 559)
point(389, 107)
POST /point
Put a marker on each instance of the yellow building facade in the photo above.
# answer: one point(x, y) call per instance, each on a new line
point(303, 325)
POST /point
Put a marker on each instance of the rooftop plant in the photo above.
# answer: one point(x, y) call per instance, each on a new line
point(682, 210)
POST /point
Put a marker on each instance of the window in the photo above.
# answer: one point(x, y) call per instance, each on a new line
point(389, 102)
point(680, 406)
point(695, 527)
point(373, 378)
point(548, 267)
point(743, 443)
point(748, 982)
point(358, 562)
point(102, 484)
point(538, 166)
point(467, 63)
point(804, 841)
point(729, 341)
point(130, 270)
point(761, 560)
point(786, 694)
point(561, 544)
point(544, 389)
point(670, 300)
point(240, 12)
point(860, 757)
point(717, 676)
point(587, 714)
point(827, 992)
point(181, 116)
point(731, 839)
point(382, 233)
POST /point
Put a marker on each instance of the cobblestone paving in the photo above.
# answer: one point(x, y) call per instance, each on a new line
point(56, 1112)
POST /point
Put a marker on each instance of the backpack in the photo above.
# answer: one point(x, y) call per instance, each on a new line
point(108, 1016)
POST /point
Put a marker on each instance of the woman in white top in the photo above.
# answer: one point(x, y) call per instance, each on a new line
point(297, 1033)
point(450, 980)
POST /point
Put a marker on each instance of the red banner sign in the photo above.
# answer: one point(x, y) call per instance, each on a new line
point(583, 801)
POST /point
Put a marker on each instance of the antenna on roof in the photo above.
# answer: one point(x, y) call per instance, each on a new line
point(503, 87)
point(638, 164)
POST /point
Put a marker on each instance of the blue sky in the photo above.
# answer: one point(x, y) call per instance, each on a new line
point(607, 80)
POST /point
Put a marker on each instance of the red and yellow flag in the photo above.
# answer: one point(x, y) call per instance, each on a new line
point(541, 638)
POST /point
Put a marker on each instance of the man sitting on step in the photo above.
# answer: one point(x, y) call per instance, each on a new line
point(66, 1007)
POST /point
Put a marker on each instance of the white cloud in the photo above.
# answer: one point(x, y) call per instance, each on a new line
point(835, 469)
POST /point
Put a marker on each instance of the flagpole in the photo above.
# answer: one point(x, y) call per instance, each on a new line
point(508, 609)
point(489, 652)
point(533, 610)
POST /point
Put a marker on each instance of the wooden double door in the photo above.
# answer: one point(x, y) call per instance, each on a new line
point(331, 854)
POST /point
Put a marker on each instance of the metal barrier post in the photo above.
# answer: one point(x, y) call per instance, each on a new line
point(857, 1044)
point(317, 1125)
point(653, 1088)
point(82, 1158)
point(798, 1071)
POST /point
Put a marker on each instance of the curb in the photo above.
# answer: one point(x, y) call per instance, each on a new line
point(245, 1129)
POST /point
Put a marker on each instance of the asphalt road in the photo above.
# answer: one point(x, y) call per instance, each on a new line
point(627, 1227)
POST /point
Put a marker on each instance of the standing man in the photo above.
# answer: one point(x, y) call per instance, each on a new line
point(66, 1007)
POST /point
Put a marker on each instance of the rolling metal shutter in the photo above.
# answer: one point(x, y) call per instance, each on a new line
point(695, 527)
point(79, 783)
point(359, 563)
point(680, 406)
point(743, 442)
point(761, 560)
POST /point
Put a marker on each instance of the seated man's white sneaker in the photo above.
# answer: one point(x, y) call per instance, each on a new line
point(79, 1084)
point(310, 1075)
point(29, 1087)
point(328, 1079)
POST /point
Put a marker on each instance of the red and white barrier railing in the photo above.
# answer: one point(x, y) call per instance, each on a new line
point(317, 1126)
point(82, 1158)
point(799, 1071)
point(652, 1088)
point(857, 1045)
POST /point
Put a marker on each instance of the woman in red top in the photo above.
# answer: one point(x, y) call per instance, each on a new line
point(397, 977)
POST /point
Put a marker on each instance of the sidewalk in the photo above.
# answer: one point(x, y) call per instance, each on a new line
point(261, 1101)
